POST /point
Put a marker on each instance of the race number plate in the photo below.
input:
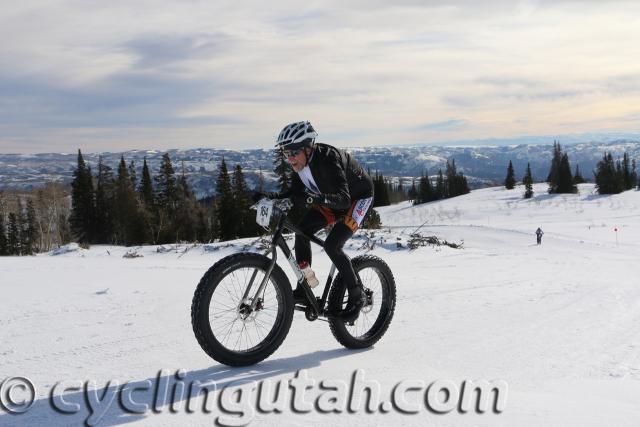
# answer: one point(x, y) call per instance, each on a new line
point(263, 214)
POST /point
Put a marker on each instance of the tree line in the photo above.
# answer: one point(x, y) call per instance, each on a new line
point(450, 184)
point(35, 221)
point(610, 177)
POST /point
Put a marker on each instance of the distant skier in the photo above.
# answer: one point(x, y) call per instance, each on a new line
point(539, 234)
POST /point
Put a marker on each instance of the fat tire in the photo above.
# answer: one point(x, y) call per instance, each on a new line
point(336, 296)
point(202, 299)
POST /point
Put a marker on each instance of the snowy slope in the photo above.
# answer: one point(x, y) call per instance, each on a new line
point(558, 322)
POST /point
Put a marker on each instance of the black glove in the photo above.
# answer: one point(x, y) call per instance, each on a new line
point(312, 198)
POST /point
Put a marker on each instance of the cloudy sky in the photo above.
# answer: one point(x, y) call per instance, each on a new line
point(156, 74)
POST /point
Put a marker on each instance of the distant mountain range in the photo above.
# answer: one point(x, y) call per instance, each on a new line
point(483, 165)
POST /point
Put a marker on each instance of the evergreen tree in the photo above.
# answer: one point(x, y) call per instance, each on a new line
point(380, 191)
point(133, 176)
point(565, 179)
point(146, 186)
point(105, 196)
point(82, 218)
point(225, 212)
point(628, 178)
point(4, 247)
point(450, 183)
point(188, 218)
point(455, 183)
point(413, 192)
point(552, 178)
point(166, 201)
point(129, 224)
point(246, 225)
point(31, 234)
point(510, 181)
point(147, 209)
point(606, 178)
point(634, 174)
point(527, 180)
point(425, 190)
point(282, 171)
point(463, 185)
point(13, 235)
point(22, 228)
point(440, 191)
point(619, 177)
point(577, 176)
point(166, 193)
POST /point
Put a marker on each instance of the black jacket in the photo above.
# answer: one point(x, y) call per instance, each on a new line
point(340, 179)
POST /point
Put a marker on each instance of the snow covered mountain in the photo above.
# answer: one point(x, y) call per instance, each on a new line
point(481, 164)
point(557, 322)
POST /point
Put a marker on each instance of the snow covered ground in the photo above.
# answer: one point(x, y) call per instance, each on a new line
point(559, 323)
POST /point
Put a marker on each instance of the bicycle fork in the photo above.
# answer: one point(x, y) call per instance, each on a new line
point(315, 307)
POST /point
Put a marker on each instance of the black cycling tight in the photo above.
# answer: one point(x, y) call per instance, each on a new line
point(312, 222)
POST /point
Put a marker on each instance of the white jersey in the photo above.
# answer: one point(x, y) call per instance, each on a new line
point(307, 180)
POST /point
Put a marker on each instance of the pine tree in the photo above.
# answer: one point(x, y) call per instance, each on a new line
point(21, 221)
point(31, 234)
point(133, 175)
point(413, 192)
point(455, 183)
point(440, 191)
point(245, 224)
point(166, 201)
point(146, 186)
point(577, 176)
point(565, 179)
point(552, 178)
point(527, 180)
point(627, 175)
point(13, 235)
point(82, 219)
point(380, 191)
point(463, 185)
point(186, 217)
point(634, 173)
point(282, 171)
point(619, 177)
point(166, 191)
point(425, 190)
point(4, 250)
point(450, 183)
point(606, 176)
point(147, 211)
point(105, 196)
point(225, 212)
point(510, 181)
point(129, 224)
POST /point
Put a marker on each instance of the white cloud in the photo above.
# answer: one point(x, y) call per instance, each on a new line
point(172, 74)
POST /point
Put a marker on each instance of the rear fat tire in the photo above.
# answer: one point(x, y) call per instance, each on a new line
point(202, 300)
point(380, 325)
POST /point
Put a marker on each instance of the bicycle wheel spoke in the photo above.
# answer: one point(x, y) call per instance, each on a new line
point(235, 325)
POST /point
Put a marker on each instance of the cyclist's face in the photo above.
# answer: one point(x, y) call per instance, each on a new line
point(297, 160)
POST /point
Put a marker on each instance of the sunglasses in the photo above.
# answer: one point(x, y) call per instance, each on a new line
point(291, 153)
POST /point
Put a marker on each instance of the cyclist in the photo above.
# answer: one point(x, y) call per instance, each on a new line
point(339, 193)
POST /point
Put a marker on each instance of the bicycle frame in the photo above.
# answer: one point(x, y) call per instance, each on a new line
point(317, 305)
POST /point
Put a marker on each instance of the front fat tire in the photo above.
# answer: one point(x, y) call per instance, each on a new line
point(202, 299)
point(381, 324)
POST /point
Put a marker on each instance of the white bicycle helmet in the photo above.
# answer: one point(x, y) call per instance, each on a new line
point(297, 135)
